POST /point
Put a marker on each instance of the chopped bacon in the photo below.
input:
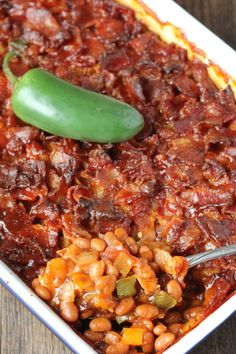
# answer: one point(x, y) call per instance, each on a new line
point(109, 29)
point(140, 43)
point(116, 61)
point(43, 21)
point(186, 85)
point(204, 196)
point(34, 243)
point(220, 231)
point(215, 173)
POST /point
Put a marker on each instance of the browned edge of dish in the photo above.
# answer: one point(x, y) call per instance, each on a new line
point(172, 34)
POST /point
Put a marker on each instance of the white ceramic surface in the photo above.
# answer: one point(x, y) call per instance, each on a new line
point(225, 57)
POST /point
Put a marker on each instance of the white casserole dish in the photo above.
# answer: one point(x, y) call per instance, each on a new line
point(222, 55)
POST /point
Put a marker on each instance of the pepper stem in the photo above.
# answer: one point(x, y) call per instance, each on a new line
point(6, 68)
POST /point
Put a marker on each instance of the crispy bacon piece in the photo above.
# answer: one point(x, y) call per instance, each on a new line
point(43, 21)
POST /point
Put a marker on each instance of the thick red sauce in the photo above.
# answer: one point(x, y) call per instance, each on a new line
point(174, 182)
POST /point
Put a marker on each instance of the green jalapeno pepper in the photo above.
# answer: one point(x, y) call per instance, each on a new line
point(163, 300)
point(125, 287)
point(58, 107)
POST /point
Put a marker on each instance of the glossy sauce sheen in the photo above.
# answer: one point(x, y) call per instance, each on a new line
point(173, 183)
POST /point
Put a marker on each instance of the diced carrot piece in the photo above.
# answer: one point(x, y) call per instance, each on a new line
point(100, 301)
point(133, 336)
point(55, 274)
point(82, 282)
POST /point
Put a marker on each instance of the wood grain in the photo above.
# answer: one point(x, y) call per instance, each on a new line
point(218, 15)
point(21, 333)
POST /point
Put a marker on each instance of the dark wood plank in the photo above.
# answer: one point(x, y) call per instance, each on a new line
point(218, 15)
point(221, 341)
point(21, 333)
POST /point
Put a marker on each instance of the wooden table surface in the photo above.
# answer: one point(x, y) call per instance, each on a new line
point(21, 333)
